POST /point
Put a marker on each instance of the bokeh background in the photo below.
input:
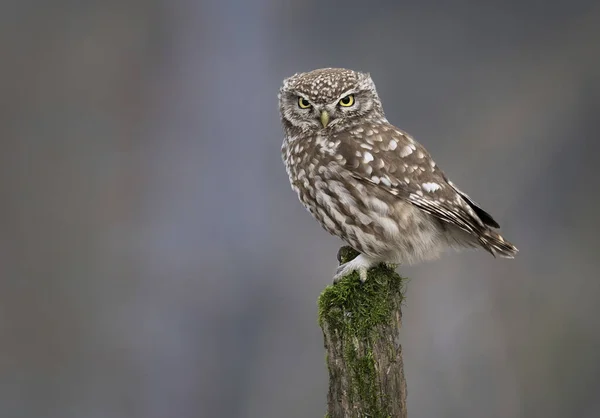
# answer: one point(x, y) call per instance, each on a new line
point(154, 261)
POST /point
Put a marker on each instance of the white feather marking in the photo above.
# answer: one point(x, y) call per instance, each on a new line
point(378, 206)
point(431, 187)
point(405, 151)
point(390, 227)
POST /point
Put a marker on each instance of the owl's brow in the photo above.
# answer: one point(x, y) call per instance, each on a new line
point(353, 90)
point(299, 94)
point(304, 95)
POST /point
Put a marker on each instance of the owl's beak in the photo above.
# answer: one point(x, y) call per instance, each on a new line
point(324, 118)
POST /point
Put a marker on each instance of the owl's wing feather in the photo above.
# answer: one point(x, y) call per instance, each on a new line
point(483, 215)
point(392, 161)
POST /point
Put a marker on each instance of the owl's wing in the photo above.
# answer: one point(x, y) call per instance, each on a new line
point(392, 161)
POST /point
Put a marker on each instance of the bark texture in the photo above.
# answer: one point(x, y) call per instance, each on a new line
point(361, 326)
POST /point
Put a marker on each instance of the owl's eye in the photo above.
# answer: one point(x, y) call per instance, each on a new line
point(347, 101)
point(303, 103)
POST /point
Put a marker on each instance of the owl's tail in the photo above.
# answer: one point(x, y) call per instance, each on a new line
point(493, 242)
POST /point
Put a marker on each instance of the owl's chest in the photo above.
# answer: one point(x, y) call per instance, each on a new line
point(306, 159)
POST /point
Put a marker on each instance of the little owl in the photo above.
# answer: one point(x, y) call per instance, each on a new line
point(370, 183)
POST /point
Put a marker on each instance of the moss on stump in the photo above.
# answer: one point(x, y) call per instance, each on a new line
point(361, 325)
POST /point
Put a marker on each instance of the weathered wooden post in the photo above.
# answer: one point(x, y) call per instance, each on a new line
point(361, 325)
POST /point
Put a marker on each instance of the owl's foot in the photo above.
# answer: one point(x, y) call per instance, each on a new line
point(391, 266)
point(360, 264)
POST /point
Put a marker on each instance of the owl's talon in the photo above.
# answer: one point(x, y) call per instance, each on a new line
point(362, 274)
point(391, 266)
point(340, 272)
point(360, 264)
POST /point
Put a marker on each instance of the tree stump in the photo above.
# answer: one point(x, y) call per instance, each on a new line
point(361, 325)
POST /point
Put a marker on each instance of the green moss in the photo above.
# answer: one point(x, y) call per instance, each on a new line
point(354, 311)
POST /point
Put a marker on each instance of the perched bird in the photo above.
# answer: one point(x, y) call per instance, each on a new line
point(370, 183)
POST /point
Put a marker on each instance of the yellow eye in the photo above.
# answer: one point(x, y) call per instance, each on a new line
point(303, 103)
point(347, 101)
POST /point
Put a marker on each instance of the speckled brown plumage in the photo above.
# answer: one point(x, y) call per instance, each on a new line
point(367, 181)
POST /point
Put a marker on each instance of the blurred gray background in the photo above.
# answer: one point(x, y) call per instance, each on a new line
point(154, 261)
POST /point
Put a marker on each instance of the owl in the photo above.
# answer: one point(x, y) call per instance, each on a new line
point(370, 183)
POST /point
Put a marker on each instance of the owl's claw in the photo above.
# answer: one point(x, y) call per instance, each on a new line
point(391, 266)
point(360, 264)
point(345, 269)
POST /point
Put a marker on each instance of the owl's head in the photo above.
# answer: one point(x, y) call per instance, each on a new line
point(328, 98)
